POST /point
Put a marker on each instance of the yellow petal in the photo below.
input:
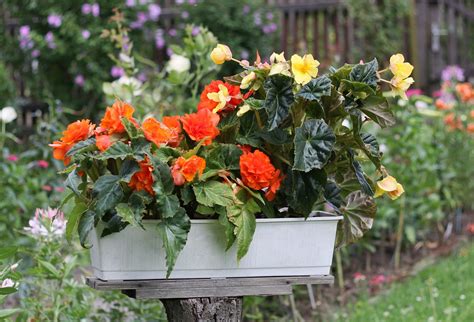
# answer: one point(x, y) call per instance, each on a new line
point(247, 80)
point(277, 58)
point(378, 192)
point(387, 184)
point(397, 192)
point(402, 70)
point(243, 109)
point(396, 59)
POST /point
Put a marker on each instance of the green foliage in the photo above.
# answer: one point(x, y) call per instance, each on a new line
point(278, 100)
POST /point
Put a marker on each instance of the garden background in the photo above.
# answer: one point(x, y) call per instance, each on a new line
point(66, 60)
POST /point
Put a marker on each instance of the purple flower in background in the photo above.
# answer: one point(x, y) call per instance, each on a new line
point(179, 1)
point(169, 51)
point(25, 31)
point(159, 40)
point(79, 80)
point(35, 53)
point(269, 28)
point(86, 9)
point(192, 2)
point(244, 54)
point(130, 3)
point(185, 15)
point(142, 77)
point(246, 9)
point(54, 20)
point(95, 10)
point(154, 11)
point(196, 30)
point(117, 72)
point(269, 15)
point(452, 72)
point(257, 19)
point(85, 34)
point(49, 38)
point(141, 19)
point(172, 32)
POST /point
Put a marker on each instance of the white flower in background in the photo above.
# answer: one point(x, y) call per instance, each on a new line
point(7, 283)
point(383, 148)
point(178, 64)
point(421, 104)
point(8, 114)
point(125, 87)
point(47, 223)
point(132, 84)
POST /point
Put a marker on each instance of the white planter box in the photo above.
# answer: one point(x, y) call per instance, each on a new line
point(280, 247)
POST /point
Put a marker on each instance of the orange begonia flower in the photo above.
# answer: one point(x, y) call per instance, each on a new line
point(465, 91)
point(452, 121)
point(201, 125)
point(103, 142)
point(258, 173)
point(221, 96)
point(112, 120)
point(143, 179)
point(442, 105)
point(156, 131)
point(59, 151)
point(173, 123)
point(470, 128)
point(186, 169)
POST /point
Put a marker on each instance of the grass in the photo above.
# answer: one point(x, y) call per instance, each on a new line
point(442, 292)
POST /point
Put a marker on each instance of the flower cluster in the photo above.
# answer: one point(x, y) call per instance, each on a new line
point(47, 223)
point(270, 141)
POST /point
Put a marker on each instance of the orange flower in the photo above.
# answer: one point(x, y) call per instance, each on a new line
point(143, 179)
point(201, 125)
point(472, 114)
point(465, 91)
point(156, 131)
point(186, 169)
point(172, 122)
point(442, 105)
point(75, 132)
point(103, 142)
point(258, 173)
point(219, 96)
point(112, 120)
point(452, 121)
point(470, 128)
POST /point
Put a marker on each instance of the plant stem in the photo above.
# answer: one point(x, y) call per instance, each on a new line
point(259, 121)
point(398, 247)
point(340, 276)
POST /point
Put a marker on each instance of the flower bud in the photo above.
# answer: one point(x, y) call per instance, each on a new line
point(220, 54)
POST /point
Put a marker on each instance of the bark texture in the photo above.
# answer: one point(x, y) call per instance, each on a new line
point(204, 309)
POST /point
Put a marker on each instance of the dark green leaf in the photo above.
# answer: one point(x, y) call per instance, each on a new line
point(303, 189)
point(371, 144)
point(279, 99)
point(359, 214)
point(243, 217)
point(126, 214)
point(212, 193)
point(224, 157)
point(128, 169)
point(86, 224)
point(378, 110)
point(174, 232)
point(163, 181)
point(359, 172)
point(73, 181)
point(187, 194)
point(248, 131)
point(7, 290)
point(108, 192)
point(276, 137)
point(82, 146)
point(340, 74)
point(132, 131)
point(314, 142)
point(73, 219)
point(228, 228)
point(168, 206)
point(315, 89)
point(357, 89)
point(332, 194)
point(365, 73)
point(165, 154)
point(204, 210)
point(118, 150)
point(138, 201)
point(229, 127)
point(114, 224)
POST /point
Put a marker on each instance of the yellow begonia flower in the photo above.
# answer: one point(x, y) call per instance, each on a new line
point(304, 68)
point(247, 80)
point(280, 68)
point(399, 68)
point(390, 186)
point(221, 97)
point(243, 109)
point(277, 58)
point(220, 54)
point(400, 86)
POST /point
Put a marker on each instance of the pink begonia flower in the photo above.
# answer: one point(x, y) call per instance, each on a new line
point(42, 164)
point(12, 158)
point(414, 91)
point(47, 188)
point(358, 277)
point(437, 93)
point(154, 11)
point(377, 280)
point(95, 9)
point(79, 80)
point(54, 20)
point(7, 283)
point(85, 34)
point(47, 223)
point(59, 189)
point(86, 8)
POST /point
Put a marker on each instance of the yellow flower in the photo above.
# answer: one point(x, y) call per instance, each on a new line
point(399, 68)
point(243, 109)
point(390, 186)
point(277, 58)
point(247, 80)
point(221, 97)
point(304, 68)
point(400, 86)
point(220, 54)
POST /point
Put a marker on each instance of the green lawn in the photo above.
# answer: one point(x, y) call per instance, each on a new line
point(442, 292)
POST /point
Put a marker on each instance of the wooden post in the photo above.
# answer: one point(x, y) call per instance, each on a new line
point(204, 309)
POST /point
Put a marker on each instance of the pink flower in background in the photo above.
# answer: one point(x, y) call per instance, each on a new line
point(79, 80)
point(59, 189)
point(55, 20)
point(7, 283)
point(117, 72)
point(192, 1)
point(49, 38)
point(47, 188)
point(195, 31)
point(42, 164)
point(172, 32)
point(86, 34)
point(95, 10)
point(35, 53)
point(437, 93)
point(159, 40)
point(86, 8)
point(359, 277)
point(130, 3)
point(414, 91)
point(142, 17)
point(185, 15)
point(452, 72)
point(25, 31)
point(378, 280)
point(154, 11)
point(12, 158)
point(47, 223)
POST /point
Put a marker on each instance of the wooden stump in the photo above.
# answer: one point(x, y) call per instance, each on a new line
point(204, 309)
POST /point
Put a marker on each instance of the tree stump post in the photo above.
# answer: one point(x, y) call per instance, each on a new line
point(204, 309)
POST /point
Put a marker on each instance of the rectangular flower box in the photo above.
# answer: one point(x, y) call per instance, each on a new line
point(280, 247)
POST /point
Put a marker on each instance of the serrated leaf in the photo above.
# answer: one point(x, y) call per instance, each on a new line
point(108, 192)
point(212, 193)
point(243, 217)
point(228, 228)
point(174, 232)
point(73, 181)
point(314, 142)
point(357, 89)
point(332, 194)
point(128, 169)
point(73, 219)
point(82, 146)
point(86, 224)
point(132, 131)
point(119, 150)
point(371, 144)
point(168, 206)
point(113, 224)
point(302, 189)
point(378, 110)
point(165, 154)
point(360, 175)
point(163, 181)
point(224, 157)
point(204, 210)
point(248, 131)
point(126, 214)
point(365, 73)
point(315, 89)
point(359, 214)
point(279, 99)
